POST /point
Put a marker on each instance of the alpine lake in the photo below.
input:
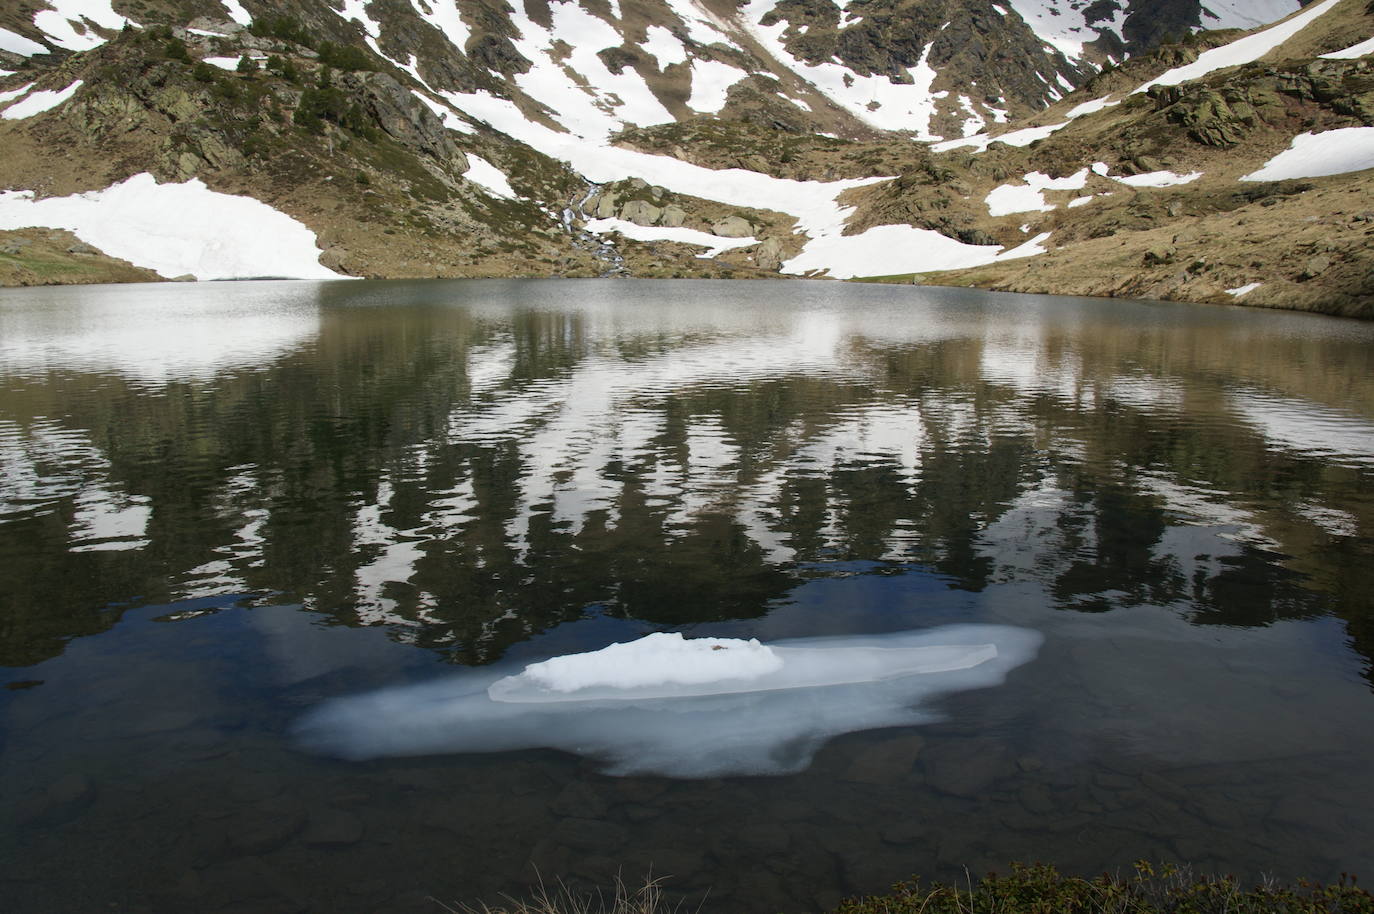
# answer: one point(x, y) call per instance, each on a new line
point(225, 505)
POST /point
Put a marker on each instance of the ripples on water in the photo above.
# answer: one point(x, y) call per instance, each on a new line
point(221, 505)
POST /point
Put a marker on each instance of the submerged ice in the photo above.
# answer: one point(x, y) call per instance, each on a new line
point(679, 707)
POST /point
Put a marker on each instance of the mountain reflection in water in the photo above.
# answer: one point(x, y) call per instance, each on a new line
point(326, 487)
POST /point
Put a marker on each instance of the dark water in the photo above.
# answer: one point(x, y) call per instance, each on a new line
point(222, 505)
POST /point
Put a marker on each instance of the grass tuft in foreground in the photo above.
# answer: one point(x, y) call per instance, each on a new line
point(1168, 890)
point(647, 899)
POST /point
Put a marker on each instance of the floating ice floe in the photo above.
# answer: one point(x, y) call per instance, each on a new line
point(680, 707)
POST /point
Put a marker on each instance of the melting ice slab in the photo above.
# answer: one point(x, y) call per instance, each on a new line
point(680, 707)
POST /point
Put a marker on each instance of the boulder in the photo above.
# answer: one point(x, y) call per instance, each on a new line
point(607, 205)
point(640, 212)
point(769, 254)
point(1315, 267)
point(673, 215)
point(732, 227)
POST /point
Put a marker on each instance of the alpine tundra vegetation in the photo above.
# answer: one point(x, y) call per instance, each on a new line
point(1199, 150)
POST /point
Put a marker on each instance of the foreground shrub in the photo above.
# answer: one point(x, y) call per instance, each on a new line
point(1169, 890)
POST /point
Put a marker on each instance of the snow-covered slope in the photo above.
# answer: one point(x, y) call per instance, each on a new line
point(455, 120)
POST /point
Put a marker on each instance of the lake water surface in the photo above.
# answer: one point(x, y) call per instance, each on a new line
point(223, 506)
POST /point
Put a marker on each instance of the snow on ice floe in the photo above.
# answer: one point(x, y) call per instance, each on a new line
point(39, 102)
point(488, 177)
point(177, 229)
point(67, 23)
point(1355, 51)
point(713, 243)
point(1242, 50)
point(18, 44)
point(1316, 155)
point(678, 707)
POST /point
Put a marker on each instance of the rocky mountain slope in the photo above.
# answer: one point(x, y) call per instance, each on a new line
point(1029, 143)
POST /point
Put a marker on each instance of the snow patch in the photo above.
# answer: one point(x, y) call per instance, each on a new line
point(10, 95)
point(876, 100)
point(1246, 14)
point(1246, 289)
point(488, 177)
point(1029, 197)
point(714, 243)
point(1353, 52)
point(980, 143)
point(176, 229)
point(446, 114)
point(18, 44)
point(39, 102)
point(445, 16)
point(702, 26)
point(664, 47)
point(1158, 179)
point(1316, 155)
point(237, 12)
point(1242, 50)
point(1092, 107)
point(711, 81)
point(68, 23)
point(224, 63)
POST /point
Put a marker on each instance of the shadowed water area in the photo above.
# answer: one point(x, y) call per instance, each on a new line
point(223, 506)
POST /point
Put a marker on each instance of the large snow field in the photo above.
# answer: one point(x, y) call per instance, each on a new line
point(177, 229)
